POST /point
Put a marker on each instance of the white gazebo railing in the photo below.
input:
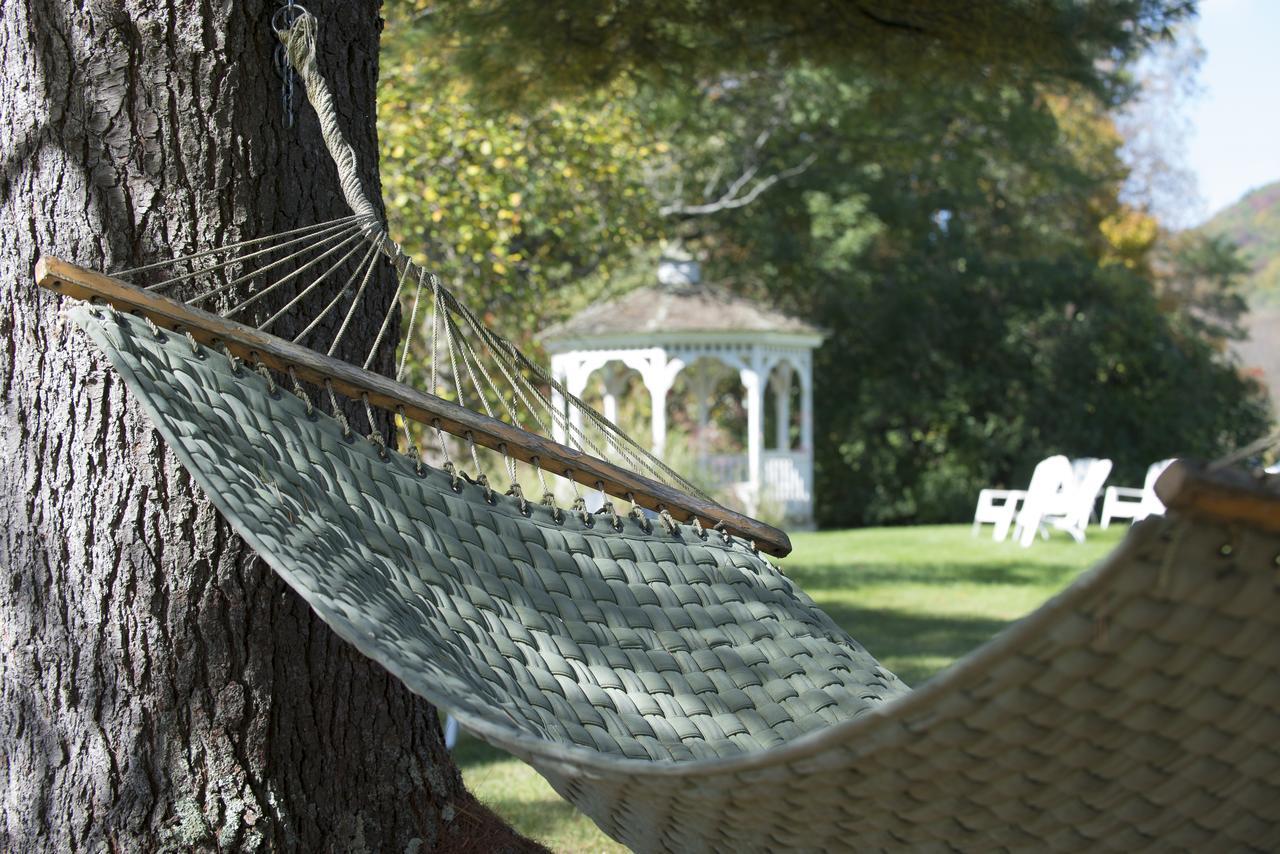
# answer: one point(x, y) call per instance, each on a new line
point(720, 470)
point(788, 482)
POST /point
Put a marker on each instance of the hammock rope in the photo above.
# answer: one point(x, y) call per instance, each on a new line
point(299, 40)
point(337, 262)
point(665, 678)
point(483, 370)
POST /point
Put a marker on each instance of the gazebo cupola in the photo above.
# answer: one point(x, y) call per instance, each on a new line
point(680, 324)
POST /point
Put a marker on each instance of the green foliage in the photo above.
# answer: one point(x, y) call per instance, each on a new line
point(1253, 223)
point(989, 301)
point(509, 207)
point(523, 48)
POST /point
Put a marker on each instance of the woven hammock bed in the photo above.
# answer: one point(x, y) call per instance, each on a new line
point(678, 689)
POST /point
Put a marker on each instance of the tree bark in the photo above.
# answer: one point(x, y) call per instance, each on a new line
point(161, 688)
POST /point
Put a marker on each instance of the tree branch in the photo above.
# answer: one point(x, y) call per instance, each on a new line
point(734, 197)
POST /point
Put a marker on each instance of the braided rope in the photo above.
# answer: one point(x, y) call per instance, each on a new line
point(300, 42)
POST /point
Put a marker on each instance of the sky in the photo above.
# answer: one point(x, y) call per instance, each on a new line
point(1235, 141)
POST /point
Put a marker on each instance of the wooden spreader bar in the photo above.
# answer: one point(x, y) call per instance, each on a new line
point(1228, 495)
point(253, 346)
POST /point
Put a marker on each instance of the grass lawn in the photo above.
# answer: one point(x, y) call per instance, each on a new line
point(917, 598)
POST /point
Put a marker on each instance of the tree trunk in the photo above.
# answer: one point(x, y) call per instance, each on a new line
point(161, 688)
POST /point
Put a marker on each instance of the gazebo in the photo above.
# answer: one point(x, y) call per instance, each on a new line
point(678, 324)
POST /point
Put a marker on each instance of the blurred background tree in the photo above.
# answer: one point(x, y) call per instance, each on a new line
point(945, 190)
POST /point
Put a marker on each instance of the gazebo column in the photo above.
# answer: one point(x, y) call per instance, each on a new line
point(658, 401)
point(659, 387)
point(561, 365)
point(658, 373)
point(806, 404)
point(615, 383)
point(753, 383)
point(571, 370)
point(805, 370)
point(782, 406)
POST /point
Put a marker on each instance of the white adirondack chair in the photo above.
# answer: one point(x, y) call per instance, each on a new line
point(1067, 509)
point(1125, 502)
point(1079, 469)
point(999, 507)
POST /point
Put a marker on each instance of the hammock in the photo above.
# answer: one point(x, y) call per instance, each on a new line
point(665, 678)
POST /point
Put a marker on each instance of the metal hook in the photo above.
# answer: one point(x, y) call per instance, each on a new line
point(284, 19)
point(287, 15)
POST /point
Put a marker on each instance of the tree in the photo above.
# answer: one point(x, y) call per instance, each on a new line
point(961, 248)
point(961, 235)
point(523, 48)
point(160, 688)
point(511, 206)
point(1199, 276)
point(522, 206)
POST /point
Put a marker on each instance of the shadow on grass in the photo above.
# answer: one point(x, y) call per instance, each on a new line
point(912, 644)
point(471, 752)
point(853, 576)
point(527, 802)
point(547, 819)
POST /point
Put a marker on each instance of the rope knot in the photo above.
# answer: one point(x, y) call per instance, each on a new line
point(640, 519)
point(265, 373)
point(549, 500)
point(489, 495)
point(380, 444)
point(669, 522)
point(232, 360)
point(455, 481)
point(302, 393)
point(518, 494)
point(414, 453)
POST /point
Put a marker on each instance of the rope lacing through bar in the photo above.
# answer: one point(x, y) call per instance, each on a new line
point(637, 513)
point(606, 509)
point(232, 360)
point(374, 436)
point(265, 373)
point(668, 521)
point(301, 392)
point(337, 411)
point(411, 447)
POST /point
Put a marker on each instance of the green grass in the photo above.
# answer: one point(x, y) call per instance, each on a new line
point(917, 598)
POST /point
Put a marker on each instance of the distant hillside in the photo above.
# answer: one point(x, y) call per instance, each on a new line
point(1254, 223)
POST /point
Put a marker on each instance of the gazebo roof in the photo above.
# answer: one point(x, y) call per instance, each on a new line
point(682, 309)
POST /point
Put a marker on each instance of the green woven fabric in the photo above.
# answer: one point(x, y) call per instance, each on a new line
point(687, 696)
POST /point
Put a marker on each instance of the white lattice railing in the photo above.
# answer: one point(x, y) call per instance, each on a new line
point(786, 480)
